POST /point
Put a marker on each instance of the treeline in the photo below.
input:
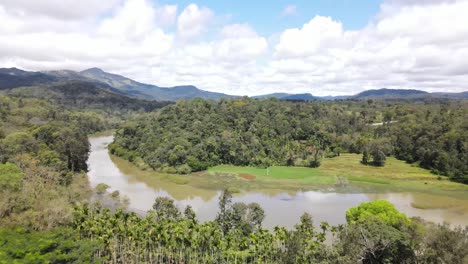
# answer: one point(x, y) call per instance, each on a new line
point(194, 135)
point(375, 233)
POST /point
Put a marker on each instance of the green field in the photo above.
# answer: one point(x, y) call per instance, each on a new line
point(347, 173)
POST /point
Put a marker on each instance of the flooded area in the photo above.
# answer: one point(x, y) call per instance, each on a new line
point(281, 207)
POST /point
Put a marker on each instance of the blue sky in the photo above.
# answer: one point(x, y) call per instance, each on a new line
point(241, 47)
point(267, 16)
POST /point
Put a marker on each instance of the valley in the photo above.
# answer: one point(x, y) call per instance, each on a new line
point(233, 132)
point(91, 173)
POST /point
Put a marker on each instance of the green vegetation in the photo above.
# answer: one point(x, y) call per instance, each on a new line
point(195, 135)
point(61, 245)
point(10, 177)
point(346, 171)
point(380, 209)
point(79, 96)
point(43, 154)
point(165, 235)
point(44, 193)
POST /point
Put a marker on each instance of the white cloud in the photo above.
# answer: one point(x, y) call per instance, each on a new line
point(416, 45)
point(240, 43)
point(193, 20)
point(166, 15)
point(409, 44)
point(289, 10)
point(60, 9)
point(127, 37)
point(317, 33)
point(133, 20)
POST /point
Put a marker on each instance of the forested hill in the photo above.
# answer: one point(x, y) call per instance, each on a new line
point(390, 93)
point(193, 135)
point(86, 95)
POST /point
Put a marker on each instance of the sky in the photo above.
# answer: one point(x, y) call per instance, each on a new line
point(241, 47)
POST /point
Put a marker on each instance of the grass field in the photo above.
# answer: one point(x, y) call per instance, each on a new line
point(428, 190)
point(396, 175)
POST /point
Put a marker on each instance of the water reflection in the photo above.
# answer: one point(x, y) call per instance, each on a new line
point(281, 208)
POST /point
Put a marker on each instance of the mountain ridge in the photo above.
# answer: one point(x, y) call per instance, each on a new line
point(14, 77)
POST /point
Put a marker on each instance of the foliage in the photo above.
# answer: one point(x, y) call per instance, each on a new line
point(10, 177)
point(80, 94)
point(126, 237)
point(381, 209)
point(165, 208)
point(244, 217)
point(248, 132)
point(43, 156)
point(56, 246)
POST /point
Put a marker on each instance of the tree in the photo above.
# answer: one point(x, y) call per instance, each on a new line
point(379, 209)
point(165, 208)
point(372, 240)
point(224, 214)
point(365, 157)
point(378, 157)
point(189, 213)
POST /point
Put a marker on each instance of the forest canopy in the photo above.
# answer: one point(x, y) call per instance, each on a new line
point(194, 135)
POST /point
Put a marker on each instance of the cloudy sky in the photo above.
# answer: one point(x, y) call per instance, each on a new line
point(244, 47)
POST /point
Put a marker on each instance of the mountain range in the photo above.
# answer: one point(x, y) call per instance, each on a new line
point(12, 78)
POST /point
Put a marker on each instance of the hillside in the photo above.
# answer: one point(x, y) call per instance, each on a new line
point(142, 90)
point(79, 94)
point(13, 77)
point(390, 94)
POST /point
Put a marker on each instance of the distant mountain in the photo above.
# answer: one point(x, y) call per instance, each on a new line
point(379, 94)
point(272, 95)
point(397, 94)
point(390, 94)
point(303, 97)
point(12, 78)
point(148, 91)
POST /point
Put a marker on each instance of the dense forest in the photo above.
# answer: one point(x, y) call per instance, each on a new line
point(44, 148)
point(77, 96)
point(43, 154)
point(194, 135)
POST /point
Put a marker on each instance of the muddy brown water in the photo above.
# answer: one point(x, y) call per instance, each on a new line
point(281, 208)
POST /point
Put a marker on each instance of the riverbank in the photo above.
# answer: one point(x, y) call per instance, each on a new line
point(343, 174)
point(284, 195)
point(346, 173)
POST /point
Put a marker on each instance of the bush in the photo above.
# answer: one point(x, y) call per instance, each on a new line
point(184, 169)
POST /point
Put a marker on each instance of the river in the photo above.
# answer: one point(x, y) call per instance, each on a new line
point(281, 208)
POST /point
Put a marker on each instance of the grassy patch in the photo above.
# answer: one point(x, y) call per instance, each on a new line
point(368, 180)
point(396, 175)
